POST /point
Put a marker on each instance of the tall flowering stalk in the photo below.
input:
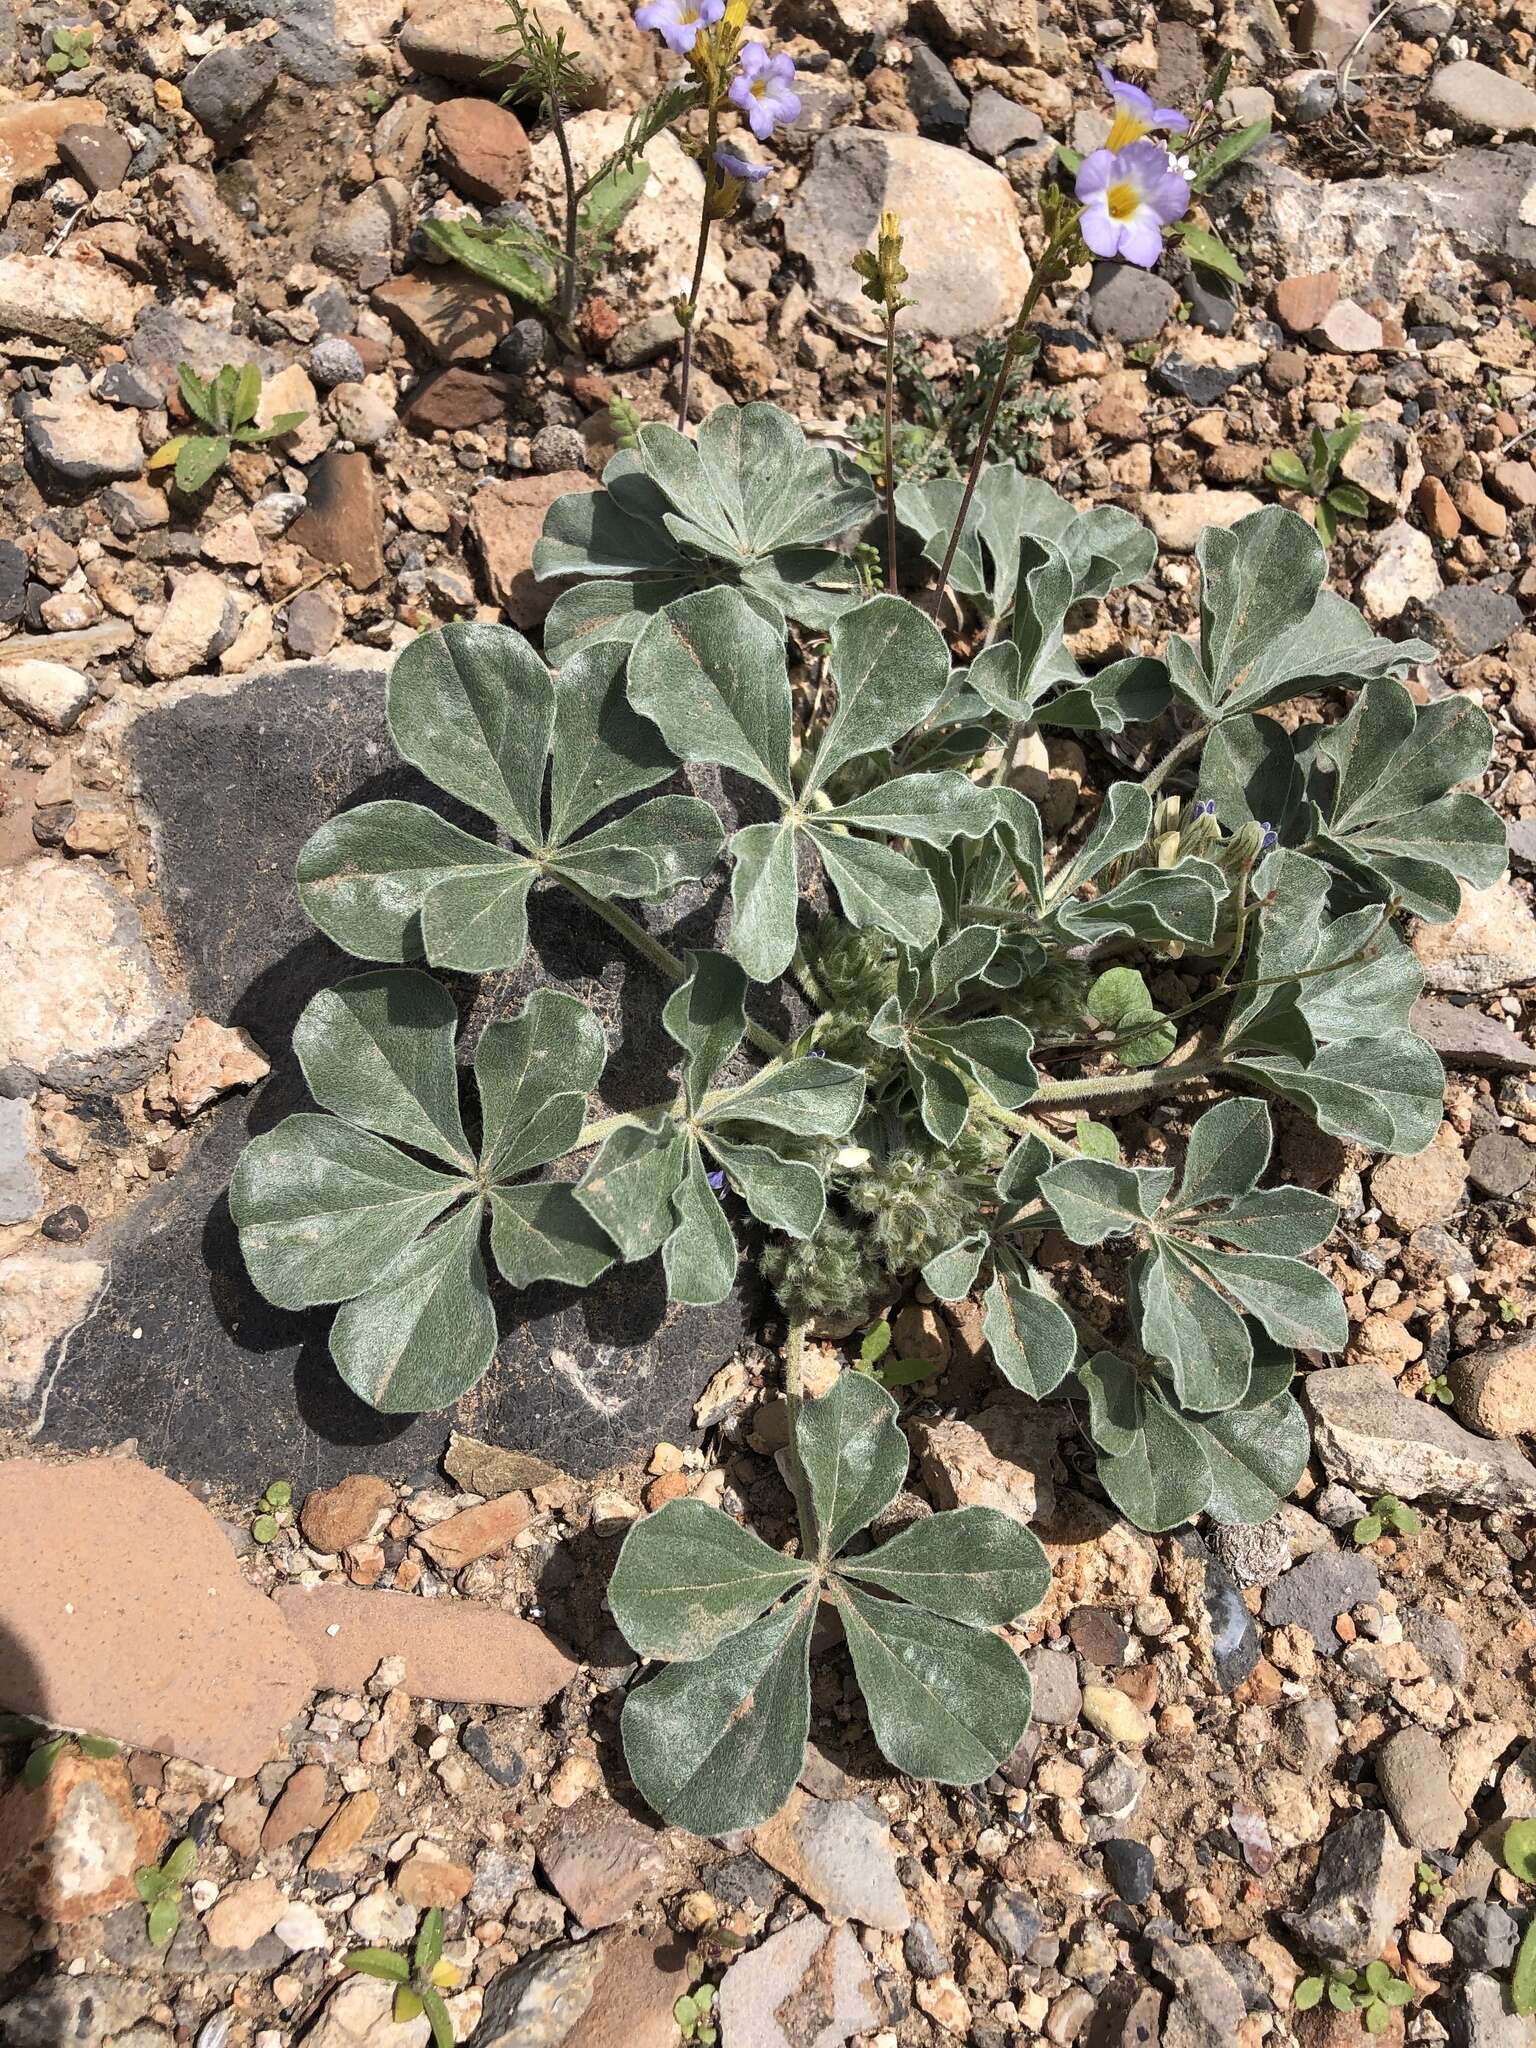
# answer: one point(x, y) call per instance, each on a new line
point(727, 72)
point(884, 274)
point(1125, 195)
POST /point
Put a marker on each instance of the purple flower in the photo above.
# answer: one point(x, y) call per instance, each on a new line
point(1206, 807)
point(741, 167)
point(679, 21)
point(763, 89)
point(1270, 839)
point(1129, 196)
point(717, 1180)
point(1135, 114)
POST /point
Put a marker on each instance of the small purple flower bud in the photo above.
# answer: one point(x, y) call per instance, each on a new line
point(1270, 838)
point(741, 167)
point(717, 1179)
point(1206, 807)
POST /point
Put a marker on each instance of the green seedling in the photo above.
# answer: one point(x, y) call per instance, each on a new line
point(275, 1512)
point(1317, 473)
point(160, 1886)
point(1374, 1993)
point(1427, 1881)
point(1386, 1513)
point(71, 51)
point(46, 1747)
point(1438, 1389)
point(875, 1358)
point(419, 1979)
point(226, 406)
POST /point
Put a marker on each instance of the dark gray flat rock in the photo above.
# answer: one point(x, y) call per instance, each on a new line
point(182, 1353)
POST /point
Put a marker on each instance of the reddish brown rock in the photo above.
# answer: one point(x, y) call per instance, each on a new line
point(341, 1516)
point(484, 148)
point(455, 1650)
point(638, 1983)
point(602, 1863)
point(344, 1831)
point(450, 314)
point(123, 1610)
point(506, 518)
point(70, 1846)
point(456, 398)
point(301, 1808)
point(477, 1532)
point(1301, 302)
point(429, 1876)
point(1441, 519)
point(29, 138)
point(342, 524)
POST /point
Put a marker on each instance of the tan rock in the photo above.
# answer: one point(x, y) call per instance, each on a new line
point(1424, 1187)
point(1095, 1558)
point(1301, 302)
point(477, 1532)
point(462, 40)
point(210, 1059)
point(66, 299)
point(454, 1650)
point(455, 317)
point(1178, 518)
point(40, 1299)
point(484, 147)
point(429, 1876)
point(29, 139)
point(602, 1862)
point(123, 1610)
point(1003, 1458)
point(639, 1981)
point(301, 1808)
point(338, 1517)
point(50, 693)
point(1489, 945)
point(241, 1916)
point(70, 1846)
point(506, 517)
point(1495, 1388)
point(344, 1831)
point(195, 628)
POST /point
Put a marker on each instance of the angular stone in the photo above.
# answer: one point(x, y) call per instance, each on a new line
point(1377, 1440)
point(1471, 619)
point(456, 398)
point(68, 299)
point(1489, 945)
point(1422, 1187)
point(30, 134)
point(358, 240)
point(358, 2014)
point(70, 1846)
point(85, 1005)
point(196, 626)
point(1002, 1459)
point(123, 1610)
point(1314, 1593)
point(1362, 1891)
point(1477, 100)
point(477, 1532)
point(541, 2000)
point(344, 1832)
point(75, 445)
point(1204, 367)
point(602, 1863)
point(1495, 1388)
point(840, 1855)
point(1465, 1036)
point(1415, 1782)
point(1405, 571)
point(1129, 303)
point(506, 517)
point(1008, 29)
point(82, 2011)
point(485, 149)
point(808, 1986)
point(210, 1059)
point(1301, 302)
point(1178, 518)
point(342, 523)
point(336, 1518)
point(21, 1193)
point(41, 1300)
point(490, 1470)
point(224, 90)
point(238, 781)
point(301, 1808)
point(1501, 1165)
point(457, 1651)
point(50, 693)
point(462, 40)
point(1207, 2008)
point(966, 260)
point(998, 125)
point(241, 1916)
point(452, 316)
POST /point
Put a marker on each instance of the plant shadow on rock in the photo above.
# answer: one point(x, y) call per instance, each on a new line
point(217, 1383)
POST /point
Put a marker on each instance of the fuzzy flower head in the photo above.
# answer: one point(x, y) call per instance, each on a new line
point(678, 22)
point(1129, 196)
point(1135, 115)
point(763, 88)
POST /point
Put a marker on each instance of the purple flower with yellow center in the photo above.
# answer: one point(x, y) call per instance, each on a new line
point(1129, 196)
point(763, 88)
point(741, 167)
point(678, 22)
point(1135, 114)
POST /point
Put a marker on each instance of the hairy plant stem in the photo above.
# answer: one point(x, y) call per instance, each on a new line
point(1125, 1089)
point(572, 211)
point(1042, 276)
point(892, 573)
point(1181, 751)
point(706, 218)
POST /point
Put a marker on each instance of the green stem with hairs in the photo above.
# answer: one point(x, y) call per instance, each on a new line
point(1181, 751)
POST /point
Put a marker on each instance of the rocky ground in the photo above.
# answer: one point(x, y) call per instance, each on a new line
point(1257, 1754)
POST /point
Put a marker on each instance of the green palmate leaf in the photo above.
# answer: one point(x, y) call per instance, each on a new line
point(945, 1702)
point(1255, 1451)
point(711, 674)
point(543, 1233)
point(854, 1458)
point(934, 808)
point(1121, 827)
point(765, 899)
point(1157, 1476)
point(806, 1098)
point(628, 1187)
point(473, 707)
point(707, 1017)
point(1293, 1301)
point(785, 1194)
point(378, 1051)
point(1032, 1339)
point(718, 1744)
point(699, 1257)
point(1386, 1092)
point(878, 888)
point(1184, 1320)
point(1248, 769)
point(1181, 903)
point(891, 667)
point(534, 1074)
point(512, 258)
point(972, 1565)
point(1381, 781)
point(688, 1577)
point(1094, 1200)
point(425, 1332)
point(1120, 1002)
point(1227, 1153)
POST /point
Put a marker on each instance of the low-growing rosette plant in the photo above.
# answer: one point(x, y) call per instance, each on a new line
point(968, 1005)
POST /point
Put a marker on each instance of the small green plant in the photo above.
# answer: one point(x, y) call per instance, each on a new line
point(944, 417)
point(1386, 1513)
point(1438, 1389)
point(624, 420)
point(1427, 1881)
point(693, 2013)
point(275, 1512)
point(71, 51)
point(226, 405)
point(1374, 1993)
point(160, 1886)
point(1510, 1311)
point(875, 1358)
point(46, 1747)
point(1318, 475)
point(419, 1979)
point(1519, 1852)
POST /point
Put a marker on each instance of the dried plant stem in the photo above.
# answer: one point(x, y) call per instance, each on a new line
point(706, 217)
point(572, 212)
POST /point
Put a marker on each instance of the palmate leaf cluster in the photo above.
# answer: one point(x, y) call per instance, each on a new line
point(956, 984)
point(717, 1739)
